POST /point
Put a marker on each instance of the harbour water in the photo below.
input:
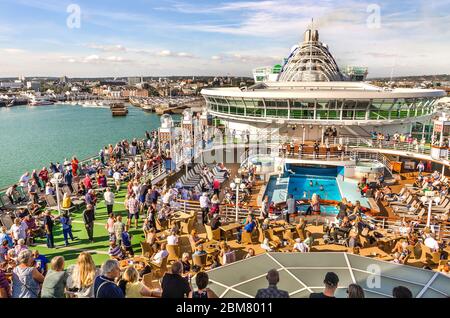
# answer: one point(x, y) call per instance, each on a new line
point(31, 137)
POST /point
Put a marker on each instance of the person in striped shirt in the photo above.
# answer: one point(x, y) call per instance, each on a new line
point(115, 251)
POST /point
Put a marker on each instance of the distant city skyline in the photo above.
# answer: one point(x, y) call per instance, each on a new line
point(208, 38)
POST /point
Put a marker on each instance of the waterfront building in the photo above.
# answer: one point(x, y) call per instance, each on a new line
point(132, 81)
point(34, 85)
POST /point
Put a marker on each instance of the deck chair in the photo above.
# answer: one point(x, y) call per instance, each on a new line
point(246, 238)
point(229, 257)
point(442, 207)
point(408, 201)
point(6, 220)
point(289, 236)
point(192, 243)
point(260, 235)
point(174, 253)
point(147, 280)
point(199, 260)
point(273, 238)
point(416, 250)
point(212, 235)
point(186, 227)
point(161, 226)
point(429, 256)
point(301, 232)
point(364, 241)
point(51, 202)
point(405, 261)
point(160, 269)
point(147, 250)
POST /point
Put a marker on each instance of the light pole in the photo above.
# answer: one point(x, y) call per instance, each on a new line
point(237, 184)
point(57, 177)
point(430, 197)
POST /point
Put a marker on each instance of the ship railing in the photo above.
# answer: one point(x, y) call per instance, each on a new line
point(226, 211)
point(441, 229)
point(392, 145)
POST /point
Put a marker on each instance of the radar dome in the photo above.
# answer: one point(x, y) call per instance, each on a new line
point(166, 121)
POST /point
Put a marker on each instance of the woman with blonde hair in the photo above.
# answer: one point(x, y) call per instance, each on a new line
point(82, 276)
point(314, 207)
point(132, 287)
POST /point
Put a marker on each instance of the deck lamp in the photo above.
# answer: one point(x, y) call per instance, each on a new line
point(430, 197)
point(57, 178)
point(237, 184)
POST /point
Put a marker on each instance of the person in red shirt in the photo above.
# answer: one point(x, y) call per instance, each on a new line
point(74, 166)
point(43, 175)
point(216, 186)
point(87, 182)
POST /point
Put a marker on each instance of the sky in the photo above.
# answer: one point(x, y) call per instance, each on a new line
point(93, 38)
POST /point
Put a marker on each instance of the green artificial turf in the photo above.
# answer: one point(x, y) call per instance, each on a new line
point(101, 237)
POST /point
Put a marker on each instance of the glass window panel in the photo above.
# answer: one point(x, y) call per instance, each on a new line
point(314, 277)
point(311, 259)
point(360, 114)
point(442, 284)
point(239, 272)
point(287, 283)
point(407, 273)
point(386, 284)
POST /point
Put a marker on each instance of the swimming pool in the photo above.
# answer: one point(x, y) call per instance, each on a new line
point(300, 187)
point(303, 187)
point(324, 209)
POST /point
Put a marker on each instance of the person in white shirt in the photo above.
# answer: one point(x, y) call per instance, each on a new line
point(116, 177)
point(109, 200)
point(166, 197)
point(300, 246)
point(19, 230)
point(431, 243)
point(265, 245)
point(172, 239)
point(24, 180)
point(204, 205)
point(136, 189)
point(158, 257)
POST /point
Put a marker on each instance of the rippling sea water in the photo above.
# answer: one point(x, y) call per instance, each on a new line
point(31, 137)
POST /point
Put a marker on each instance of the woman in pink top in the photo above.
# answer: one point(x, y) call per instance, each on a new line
point(110, 226)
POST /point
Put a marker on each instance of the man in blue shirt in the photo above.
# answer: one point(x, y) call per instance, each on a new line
point(126, 242)
point(104, 285)
point(40, 262)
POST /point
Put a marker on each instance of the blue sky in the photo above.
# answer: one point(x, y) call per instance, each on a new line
point(199, 37)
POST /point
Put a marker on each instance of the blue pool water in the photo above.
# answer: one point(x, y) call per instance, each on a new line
point(297, 181)
point(325, 187)
point(324, 209)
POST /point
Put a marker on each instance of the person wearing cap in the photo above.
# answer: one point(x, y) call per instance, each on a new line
point(331, 283)
point(272, 291)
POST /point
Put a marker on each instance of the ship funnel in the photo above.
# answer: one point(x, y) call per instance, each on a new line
point(307, 37)
point(315, 36)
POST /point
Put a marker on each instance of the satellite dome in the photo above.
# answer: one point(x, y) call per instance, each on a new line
point(166, 121)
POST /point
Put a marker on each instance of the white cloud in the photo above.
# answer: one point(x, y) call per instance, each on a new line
point(12, 50)
point(165, 53)
point(107, 48)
